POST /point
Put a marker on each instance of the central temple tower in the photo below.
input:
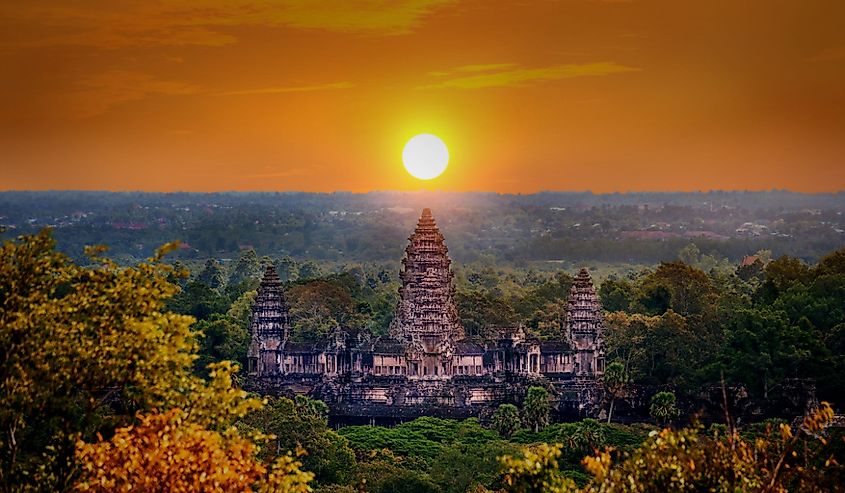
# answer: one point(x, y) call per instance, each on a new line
point(426, 316)
point(584, 325)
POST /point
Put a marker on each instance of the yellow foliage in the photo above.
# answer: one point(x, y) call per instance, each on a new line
point(684, 460)
point(536, 471)
point(164, 452)
point(687, 461)
point(85, 349)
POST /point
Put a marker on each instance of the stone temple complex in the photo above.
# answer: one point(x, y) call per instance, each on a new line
point(425, 366)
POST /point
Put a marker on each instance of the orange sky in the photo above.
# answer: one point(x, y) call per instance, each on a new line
point(605, 95)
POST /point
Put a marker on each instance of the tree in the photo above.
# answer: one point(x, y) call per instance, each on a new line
point(536, 409)
point(460, 467)
point(308, 270)
point(166, 452)
point(241, 308)
point(782, 459)
point(678, 286)
point(221, 338)
point(199, 301)
point(617, 294)
point(548, 320)
point(663, 408)
point(86, 350)
point(587, 435)
point(615, 379)
point(659, 349)
point(383, 472)
point(782, 273)
point(303, 422)
point(318, 306)
point(480, 312)
point(763, 349)
point(536, 471)
point(831, 264)
point(287, 269)
point(212, 274)
point(506, 420)
point(247, 268)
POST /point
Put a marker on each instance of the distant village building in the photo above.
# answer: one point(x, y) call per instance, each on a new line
point(425, 365)
point(750, 260)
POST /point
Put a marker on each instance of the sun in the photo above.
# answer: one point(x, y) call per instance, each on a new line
point(425, 156)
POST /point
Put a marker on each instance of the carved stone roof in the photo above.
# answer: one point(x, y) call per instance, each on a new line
point(583, 311)
point(387, 345)
point(466, 347)
point(555, 347)
point(426, 307)
point(270, 318)
point(300, 347)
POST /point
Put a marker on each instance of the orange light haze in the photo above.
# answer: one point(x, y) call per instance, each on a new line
point(601, 95)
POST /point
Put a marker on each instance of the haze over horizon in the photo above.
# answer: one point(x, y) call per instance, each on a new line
point(249, 95)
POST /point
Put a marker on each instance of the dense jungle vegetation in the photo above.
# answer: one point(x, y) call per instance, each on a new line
point(119, 373)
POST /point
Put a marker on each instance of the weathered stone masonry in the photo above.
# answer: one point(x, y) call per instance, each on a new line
point(425, 366)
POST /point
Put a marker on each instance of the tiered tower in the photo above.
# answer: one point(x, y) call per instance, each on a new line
point(269, 325)
point(427, 317)
point(584, 325)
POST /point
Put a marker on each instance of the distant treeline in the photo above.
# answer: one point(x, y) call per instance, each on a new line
point(639, 228)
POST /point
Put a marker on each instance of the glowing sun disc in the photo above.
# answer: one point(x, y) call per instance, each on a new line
point(425, 156)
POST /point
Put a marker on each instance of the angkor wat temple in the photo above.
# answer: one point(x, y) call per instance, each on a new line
point(425, 365)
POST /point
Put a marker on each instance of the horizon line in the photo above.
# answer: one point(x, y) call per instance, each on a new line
point(376, 191)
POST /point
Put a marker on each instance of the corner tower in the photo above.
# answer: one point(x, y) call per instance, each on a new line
point(426, 316)
point(269, 325)
point(584, 325)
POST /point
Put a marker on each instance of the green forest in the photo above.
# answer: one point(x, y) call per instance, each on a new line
point(117, 376)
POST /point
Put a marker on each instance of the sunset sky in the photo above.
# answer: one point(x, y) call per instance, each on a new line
point(316, 95)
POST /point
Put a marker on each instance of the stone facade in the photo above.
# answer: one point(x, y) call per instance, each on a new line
point(425, 366)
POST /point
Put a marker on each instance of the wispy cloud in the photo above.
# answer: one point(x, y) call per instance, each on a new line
point(99, 92)
point(829, 55)
point(286, 89)
point(200, 22)
point(387, 17)
point(274, 173)
point(510, 75)
point(485, 67)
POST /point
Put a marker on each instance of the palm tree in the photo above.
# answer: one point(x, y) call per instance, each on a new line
point(663, 407)
point(536, 409)
point(615, 379)
point(506, 420)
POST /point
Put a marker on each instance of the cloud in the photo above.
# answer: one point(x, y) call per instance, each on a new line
point(830, 55)
point(509, 75)
point(99, 92)
point(273, 173)
point(201, 22)
point(488, 67)
point(388, 17)
point(286, 89)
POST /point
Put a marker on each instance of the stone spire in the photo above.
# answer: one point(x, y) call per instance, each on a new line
point(583, 311)
point(584, 325)
point(427, 311)
point(270, 319)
